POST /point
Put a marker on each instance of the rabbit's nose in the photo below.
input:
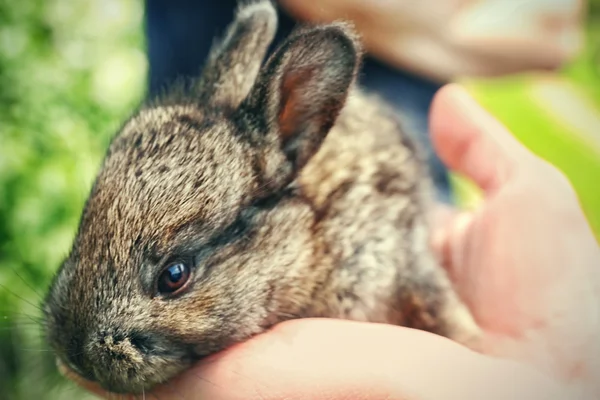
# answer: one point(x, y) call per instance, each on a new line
point(109, 337)
point(144, 343)
point(116, 346)
point(121, 345)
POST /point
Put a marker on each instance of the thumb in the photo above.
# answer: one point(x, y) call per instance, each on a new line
point(472, 142)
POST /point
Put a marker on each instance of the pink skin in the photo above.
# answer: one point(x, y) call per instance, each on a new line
point(526, 263)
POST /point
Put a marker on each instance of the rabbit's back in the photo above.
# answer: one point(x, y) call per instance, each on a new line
point(367, 147)
point(368, 186)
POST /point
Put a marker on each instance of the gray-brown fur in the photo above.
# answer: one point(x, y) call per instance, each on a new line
point(290, 192)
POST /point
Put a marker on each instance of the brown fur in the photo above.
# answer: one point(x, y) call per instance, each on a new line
point(291, 194)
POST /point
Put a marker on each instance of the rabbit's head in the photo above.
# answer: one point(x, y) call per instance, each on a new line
point(194, 236)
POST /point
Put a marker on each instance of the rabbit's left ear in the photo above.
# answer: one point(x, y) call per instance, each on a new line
point(234, 62)
point(302, 89)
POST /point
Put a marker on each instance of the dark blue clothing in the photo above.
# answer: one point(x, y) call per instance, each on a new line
point(181, 32)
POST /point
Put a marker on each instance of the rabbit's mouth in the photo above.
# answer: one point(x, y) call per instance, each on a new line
point(130, 363)
point(129, 387)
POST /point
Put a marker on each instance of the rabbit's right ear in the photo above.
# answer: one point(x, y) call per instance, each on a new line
point(301, 91)
point(234, 62)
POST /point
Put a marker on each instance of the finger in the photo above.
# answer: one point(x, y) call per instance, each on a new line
point(442, 221)
point(336, 359)
point(449, 229)
point(472, 142)
point(447, 238)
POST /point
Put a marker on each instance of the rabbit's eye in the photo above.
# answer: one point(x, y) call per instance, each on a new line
point(174, 278)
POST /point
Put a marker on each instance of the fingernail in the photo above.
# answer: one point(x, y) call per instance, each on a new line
point(437, 240)
point(462, 223)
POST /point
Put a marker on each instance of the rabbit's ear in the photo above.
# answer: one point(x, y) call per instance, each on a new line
point(234, 62)
point(303, 87)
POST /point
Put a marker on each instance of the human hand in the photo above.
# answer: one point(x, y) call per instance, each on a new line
point(460, 38)
point(526, 263)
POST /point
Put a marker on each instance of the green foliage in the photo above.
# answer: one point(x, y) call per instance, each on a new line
point(70, 72)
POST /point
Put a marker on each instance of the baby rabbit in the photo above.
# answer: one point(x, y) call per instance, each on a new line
point(264, 193)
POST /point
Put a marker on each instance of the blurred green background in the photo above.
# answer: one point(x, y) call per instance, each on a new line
point(71, 71)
